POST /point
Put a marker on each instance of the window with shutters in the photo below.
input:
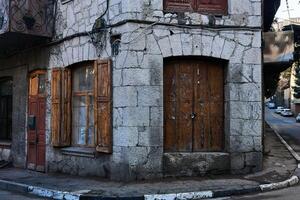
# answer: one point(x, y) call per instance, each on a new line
point(81, 106)
point(216, 7)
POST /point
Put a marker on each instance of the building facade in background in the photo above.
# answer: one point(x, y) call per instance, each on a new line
point(133, 89)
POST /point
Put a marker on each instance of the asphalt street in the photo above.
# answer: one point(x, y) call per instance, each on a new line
point(286, 127)
point(292, 193)
point(6, 195)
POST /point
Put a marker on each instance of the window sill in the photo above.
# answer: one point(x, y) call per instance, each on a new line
point(79, 151)
point(5, 144)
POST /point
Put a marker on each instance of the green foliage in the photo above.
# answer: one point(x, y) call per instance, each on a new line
point(297, 81)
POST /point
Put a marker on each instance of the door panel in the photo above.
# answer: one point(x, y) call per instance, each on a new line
point(194, 106)
point(36, 122)
point(171, 108)
point(184, 107)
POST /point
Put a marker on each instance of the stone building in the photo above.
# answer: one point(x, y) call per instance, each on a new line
point(131, 90)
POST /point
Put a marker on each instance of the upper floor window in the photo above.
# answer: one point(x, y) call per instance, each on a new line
point(204, 6)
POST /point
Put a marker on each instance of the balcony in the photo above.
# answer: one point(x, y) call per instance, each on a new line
point(25, 23)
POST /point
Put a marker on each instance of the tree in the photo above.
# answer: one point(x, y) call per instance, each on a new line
point(297, 80)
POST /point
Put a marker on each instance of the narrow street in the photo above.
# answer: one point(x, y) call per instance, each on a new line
point(291, 193)
point(290, 131)
point(286, 127)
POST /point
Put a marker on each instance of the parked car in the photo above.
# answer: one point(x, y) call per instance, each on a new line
point(279, 109)
point(271, 105)
point(298, 118)
point(286, 113)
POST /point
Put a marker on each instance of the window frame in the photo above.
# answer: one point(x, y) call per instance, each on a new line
point(88, 94)
point(195, 6)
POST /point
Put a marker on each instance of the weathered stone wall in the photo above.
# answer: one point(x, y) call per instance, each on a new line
point(146, 41)
point(18, 151)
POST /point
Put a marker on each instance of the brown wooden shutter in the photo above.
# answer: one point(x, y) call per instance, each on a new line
point(103, 106)
point(211, 6)
point(179, 5)
point(67, 108)
point(56, 92)
point(61, 107)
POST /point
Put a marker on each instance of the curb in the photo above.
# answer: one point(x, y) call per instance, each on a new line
point(38, 191)
point(61, 195)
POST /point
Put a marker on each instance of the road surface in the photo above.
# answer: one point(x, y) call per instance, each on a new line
point(286, 127)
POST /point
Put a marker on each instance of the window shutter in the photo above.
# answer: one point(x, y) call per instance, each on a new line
point(179, 5)
point(67, 108)
point(103, 106)
point(56, 106)
point(61, 107)
point(212, 6)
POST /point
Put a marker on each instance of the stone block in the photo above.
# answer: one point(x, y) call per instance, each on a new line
point(136, 116)
point(165, 47)
point(243, 73)
point(156, 76)
point(154, 61)
point(117, 78)
point(156, 116)
point(237, 55)
point(246, 127)
point(254, 161)
point(228, 49)
point(125, 136)
point(217, 46)
point(136, 77)
point(237, 161)
point(149, 96)
point(255, 21)
point(127, 59)
point(244, 92)
point(117, 117)
point(195, 164)
point(152, 45)
point(253, 56)
point(207, 41)
point(125, 96)
point(257, 40)
point(240, 144)
point(176, 45)
point(197, 44)
point(150, 136)
point(187, 44)
point(244, 38)
point(245, 110)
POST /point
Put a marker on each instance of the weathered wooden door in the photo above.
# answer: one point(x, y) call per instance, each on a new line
point(194, 106)
point(36, 139)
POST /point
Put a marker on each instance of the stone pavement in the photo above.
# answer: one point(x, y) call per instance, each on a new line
point(279, 165)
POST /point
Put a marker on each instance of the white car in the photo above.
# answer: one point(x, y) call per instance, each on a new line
point(298, 118)
point(271, 105)
point(286, 113)
point(279, 109)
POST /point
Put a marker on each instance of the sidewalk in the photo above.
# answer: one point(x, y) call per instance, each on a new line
point(279, 166)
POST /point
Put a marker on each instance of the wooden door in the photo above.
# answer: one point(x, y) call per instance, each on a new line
point(36, 138)
point(194, 106)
